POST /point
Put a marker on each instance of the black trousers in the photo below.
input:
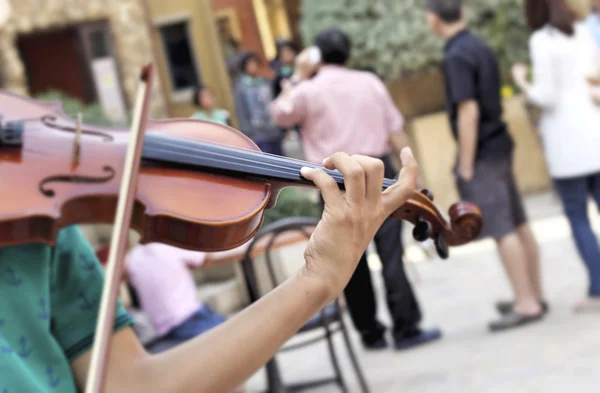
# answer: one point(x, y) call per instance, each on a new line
point(401, 300)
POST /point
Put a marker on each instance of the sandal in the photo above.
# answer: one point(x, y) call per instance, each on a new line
point(507, 307)
point(513, 320)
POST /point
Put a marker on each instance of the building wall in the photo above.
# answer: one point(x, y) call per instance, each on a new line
point(205, 46)
point(129, 29)
point(250, 31)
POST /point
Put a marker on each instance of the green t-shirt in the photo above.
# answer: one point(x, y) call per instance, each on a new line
point(217, 116)
point(49, 298)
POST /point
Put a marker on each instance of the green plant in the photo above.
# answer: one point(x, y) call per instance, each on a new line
point(292, 203)
point(391, 36)
point(91, 113)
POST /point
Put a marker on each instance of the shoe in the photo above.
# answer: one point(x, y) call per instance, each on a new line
point(513, 320)
point(507, 307)
point(374, 339)
point(423, 337)
point(375, 344)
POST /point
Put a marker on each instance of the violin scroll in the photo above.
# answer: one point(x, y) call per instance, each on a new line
point(465, 222)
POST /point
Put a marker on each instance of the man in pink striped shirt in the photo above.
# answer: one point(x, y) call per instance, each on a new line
point(166, 291)
point(344, 110)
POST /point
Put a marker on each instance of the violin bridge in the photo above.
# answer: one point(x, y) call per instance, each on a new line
point(77, 146)
point(11, 134)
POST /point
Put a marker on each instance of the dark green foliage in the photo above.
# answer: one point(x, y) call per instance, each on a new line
point(392, 37)
point(292, 203)
point(92, 114)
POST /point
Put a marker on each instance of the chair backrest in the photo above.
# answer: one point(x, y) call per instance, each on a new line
point(271, 233)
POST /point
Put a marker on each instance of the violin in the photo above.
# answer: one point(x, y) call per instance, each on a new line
point(188, 183)
point(201, 185)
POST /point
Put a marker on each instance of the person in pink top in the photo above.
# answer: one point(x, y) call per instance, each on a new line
point(163, 284)
point(350, 111)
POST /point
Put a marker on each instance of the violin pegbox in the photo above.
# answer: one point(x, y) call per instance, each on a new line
point(423, 230)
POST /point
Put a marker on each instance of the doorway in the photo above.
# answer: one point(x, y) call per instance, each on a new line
point(54, 60)
point(78, 61)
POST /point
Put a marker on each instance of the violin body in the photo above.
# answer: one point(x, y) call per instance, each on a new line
point(43, 188)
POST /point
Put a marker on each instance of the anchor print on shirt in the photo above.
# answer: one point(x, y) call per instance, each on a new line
point(24, 349)
point(87, 264)
point(11, 277)
point(86, 304)
point(53, 380)
point(43, 314)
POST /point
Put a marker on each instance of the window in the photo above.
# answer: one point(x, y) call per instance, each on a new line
point(178, 50)
point(98, 44)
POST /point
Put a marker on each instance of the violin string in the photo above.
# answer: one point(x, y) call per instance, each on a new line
point(250, 157)
point(288, 165)
point(196, 148)
point(241, 165)
point(251, 161)
point(237, 164)
point(253, 153)
point(247, 157)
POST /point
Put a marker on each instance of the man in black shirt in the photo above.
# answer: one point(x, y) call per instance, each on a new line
point(484, 173)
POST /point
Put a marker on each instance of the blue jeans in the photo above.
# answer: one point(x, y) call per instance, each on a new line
point(200, 322)
point(574, 194)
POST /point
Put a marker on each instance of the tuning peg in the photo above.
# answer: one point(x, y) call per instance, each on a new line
point(428, 194)
point(440, 246)
point(422, 230)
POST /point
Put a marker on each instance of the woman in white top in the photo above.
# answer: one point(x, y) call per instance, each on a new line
point(563, 54)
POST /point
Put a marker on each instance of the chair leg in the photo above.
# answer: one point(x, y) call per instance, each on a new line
point(359, 374)
point(334, 360)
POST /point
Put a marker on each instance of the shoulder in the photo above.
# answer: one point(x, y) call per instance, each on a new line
point(458, 58)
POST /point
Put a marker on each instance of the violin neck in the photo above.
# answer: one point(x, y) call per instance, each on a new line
point(235, 162)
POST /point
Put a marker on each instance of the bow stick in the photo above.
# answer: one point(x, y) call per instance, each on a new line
point(122, 222)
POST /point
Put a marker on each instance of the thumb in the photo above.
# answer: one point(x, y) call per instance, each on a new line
point(399, 193)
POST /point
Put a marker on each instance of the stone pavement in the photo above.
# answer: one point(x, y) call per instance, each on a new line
point(560, 354)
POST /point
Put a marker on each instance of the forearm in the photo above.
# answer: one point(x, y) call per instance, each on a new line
point(468, 119)
point(399, 140)
point(223, 358)
point(285, 110)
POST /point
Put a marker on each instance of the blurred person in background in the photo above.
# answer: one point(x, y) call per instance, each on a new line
point(253, 94)
point(204, 101)
point(351, 111)
point(287, 50)
point(564, 55)
point(593, 21)
point(484, 170)
point(166, 291)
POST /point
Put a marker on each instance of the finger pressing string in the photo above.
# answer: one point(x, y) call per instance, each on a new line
point(328, 187)
point(354, 175)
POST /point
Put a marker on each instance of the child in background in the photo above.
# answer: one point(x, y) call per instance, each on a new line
point(204, 100)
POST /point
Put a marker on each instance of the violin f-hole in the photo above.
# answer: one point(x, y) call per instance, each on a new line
point(50, 193)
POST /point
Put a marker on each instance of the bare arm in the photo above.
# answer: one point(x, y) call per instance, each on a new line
point(399, 140)
point(222, 358)
point(289, 109)
point(468, 119)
